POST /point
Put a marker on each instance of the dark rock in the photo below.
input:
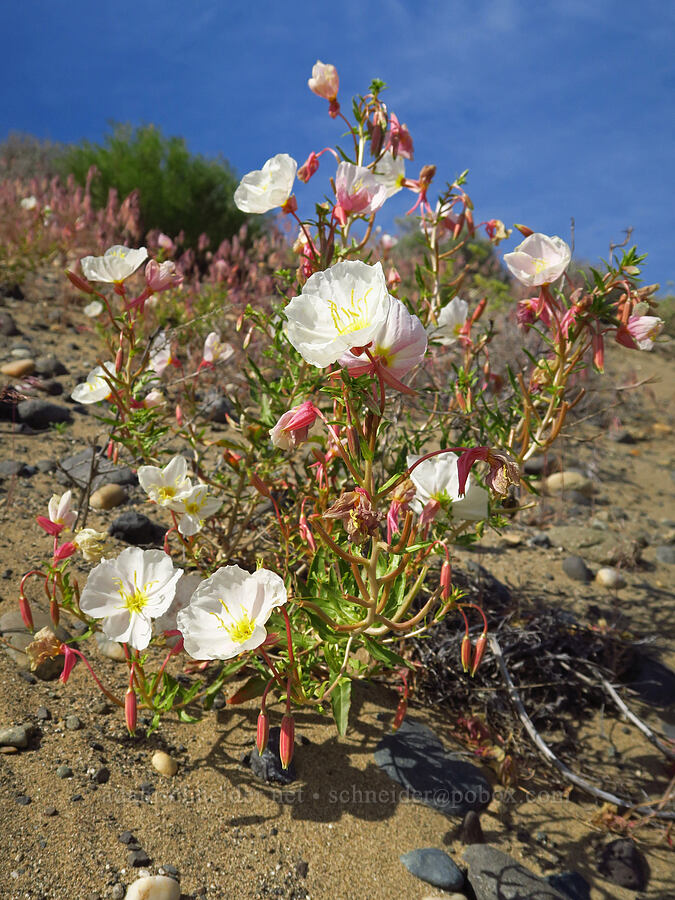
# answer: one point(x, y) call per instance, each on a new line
point(301, 868)
point(7, 324)
point(471, 831)
point(64, 772)
point(118, 891)
point(18, 736)
point(416, 758)
point(41, 414)
point(576, 569)
point(267, 767)
point(219, 701)
point(51, 811)
point(170, 870)
point(435, 867)
point(539, 539)
point(494, 875)
point(49, 366)
point(215, 408)
point(102, 775)
point(137, 529)
point(572, 884)
point(127, 838)
point(76, 469)
point(76, 798)
point(654, 682)
point(621, 436)
point(622, 863)
point(11, 289)
point(23, 800)
point(43, 714)
point(52, 387)
point(11, 467)
point(666, 554)
point(138, 858)
point(31, 679)
point(46, 465)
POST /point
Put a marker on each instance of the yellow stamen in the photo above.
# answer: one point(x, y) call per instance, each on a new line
point(351, 318)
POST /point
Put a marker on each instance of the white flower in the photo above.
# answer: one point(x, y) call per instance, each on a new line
point(436, 479)
point(325, 81)
point(343, 307)
point(195, 507)
point(128, 592)
point(160, 353)
point(228, 612)
point(29, 202)
point(116, 264)
point(390, 172)
point(186, 585)
point(269, 187)
point(215, 350)
point(167, 484)
point(539, 259)
point(451, 320)
point(96, 387)
point(91, 544)
point(60, 511)
point(399, 345)
point(93, 309)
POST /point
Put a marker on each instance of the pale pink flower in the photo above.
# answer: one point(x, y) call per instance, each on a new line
point(294, 426)
point(437, 485)
point(60, 514)
point(451, 321)
point(390, 172)
point(358, 192)
point(215, 350)
point(325, 81)
point(160, 353)
point(644, 329)
point(398, 140)
point(539, 259)
point(162, 276)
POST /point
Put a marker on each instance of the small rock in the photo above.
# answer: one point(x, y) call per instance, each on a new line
point(51, 811)
point(46, 465)
point(17, 737)
point(127, 838)
point(77, 468)
point(117, 892)
point(622, 863)
point(576, 569)
point(539, 539)
point(666, 554)
point(8, 751)
point(111, 649)
point(471, 831)
point(64, 772)
point(570, 480)
point(267, 767)
point(49, 367)
point(18, 368)
point(154, 887)
point(23, 800)
point(164, 763)
point(572, 884)
point(43, 714)
point(108, 496)
point(41, 414)
point(494, 875)
point(216, 408)
point(435, 867)
point(610, 578)
point(7, 324)
point(137, 529)
point(102, 775)
point(301, 868)
point(12, 467)
point(138, 858)
point(169, 870)
point(73, 723)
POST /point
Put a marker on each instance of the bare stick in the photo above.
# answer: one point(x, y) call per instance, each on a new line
point(550, 756)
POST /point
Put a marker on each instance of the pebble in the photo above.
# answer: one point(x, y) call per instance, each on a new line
point(73, 723)
point(51, 811)
point(23, 800)
point(267, 767)
point(7, 324)
point(471, 831)
point(102, 775)
point(127, 838)
point(164, 763)
point(138, 858)
point(435, 867)
point(666, 554)
point(43, 714)
point(108, 496)
point(154, 887)
point(10, 467)
point(64, 772)
point(78, 467)
point(570, 480)
point(610, 578)
point(40, 414)
point(16, 737)
point(136, 529)
point(494, 875)
point(111, 649)
point(18, 368)
point(117, 892)
point(50, 366)
point(576, 569)
point(622, 863)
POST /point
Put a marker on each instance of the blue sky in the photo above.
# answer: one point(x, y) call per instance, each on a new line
point(558, 109)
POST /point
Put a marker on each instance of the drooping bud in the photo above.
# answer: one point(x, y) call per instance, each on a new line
point(24, 609)
point(466, 652)
point(54, 611)
point(130, 710)
point(64, 551)
point(446, 579)
point(481, 643)
point(263, 732)
point(401, 710)
point(79, 282)
point(286, 740)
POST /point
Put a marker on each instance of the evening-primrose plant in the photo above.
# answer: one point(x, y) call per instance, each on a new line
point(367, 434)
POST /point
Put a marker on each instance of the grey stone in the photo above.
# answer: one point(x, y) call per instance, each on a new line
point(495, 875)
point(215, 408)
point(666, 554)
point(102, 775)
point(18, 637)
point(126, 838)
point(435, 867)
point(77, 469)
point(23, 800)
point(73, 723)
point(572, 884)
point(267, 767)
point(41, 414)
point(138, 858)
point(64, 772)
point(622, 863)
point(576, 569)
point(118, 891)
point(654, 682)
point(49, 366)
point(10, 467)
point(46, 465)
point(7, 324)
point(137, 529)
point(43, 714)
point(17, 736)
point(539, 539)
point(471, 831)
point(416, 758)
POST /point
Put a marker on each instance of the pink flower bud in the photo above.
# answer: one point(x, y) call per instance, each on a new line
point(401, 710)
point(286, 740)
point(465, 653)
point(24, 609)
point(54, 611)
point(130, 710)
point(481, 643)
point(446, 579)
point(309, 167)
point(262, 733)
point(64, 551)
point(393, 278)
point(79, 282)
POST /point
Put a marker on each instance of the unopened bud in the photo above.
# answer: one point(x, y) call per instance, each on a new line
point(79, 282)
point(446, 579)
point(523, 229)
point(263, 732)
point(24, 609)
point(130, 710)
point(481, 643)
point(54, 611)
point(239, 323)
point(466, 652)
point(286, 740)
point(247, 339)
point(401, 710)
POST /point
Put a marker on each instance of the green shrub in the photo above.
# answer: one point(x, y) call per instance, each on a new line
point(179, 191)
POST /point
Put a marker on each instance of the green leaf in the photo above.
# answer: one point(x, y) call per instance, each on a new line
point(340, 701)
point(384, 654)
point(184, 716)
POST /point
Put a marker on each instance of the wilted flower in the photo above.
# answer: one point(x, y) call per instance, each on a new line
point(436, 479)
point(128, 592)
point(325, 81)
point(294, 426)
point(357, 191)
point(93, 309)
point(539, 259)
point(451, 321)
point(357, 515)
point(342, 307)
point(167, 484)
point(153, 398)
point(269, 187)
point(45, 645)
point(228, 612)
point(162, 276)
point(92, 544)
point(397, 347)
point(116, 264)
point(97, 385)
point(215, 350)
point(497, 231)
point(398, 140)
point(195, 506)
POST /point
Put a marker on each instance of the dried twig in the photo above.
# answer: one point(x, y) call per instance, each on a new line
point(550, 756)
